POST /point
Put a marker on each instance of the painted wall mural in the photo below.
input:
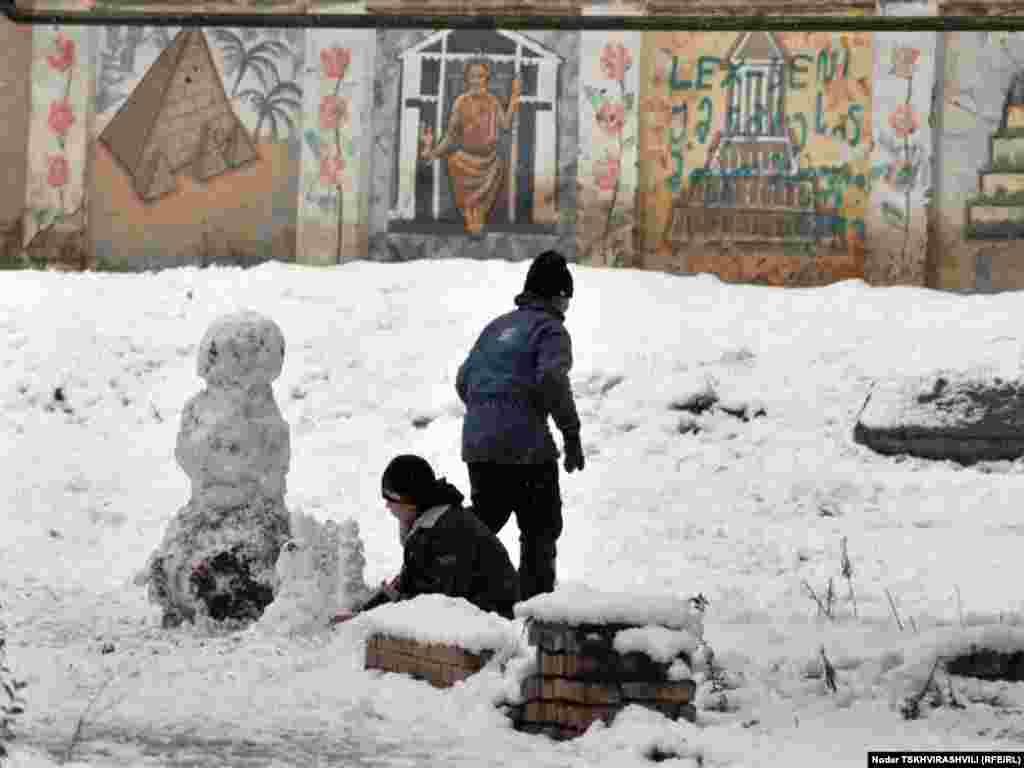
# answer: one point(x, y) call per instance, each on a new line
point(981, 194)
point(475, 143)
point(333, 204)
point(196, 144)
point(754, 154)
point(902, 158)
point(56, 207)
point(609, 148)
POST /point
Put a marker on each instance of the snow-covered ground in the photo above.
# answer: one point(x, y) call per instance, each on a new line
point(748, 513)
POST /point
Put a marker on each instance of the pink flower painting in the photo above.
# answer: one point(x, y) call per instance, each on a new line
point(611, 116)
point(615, 60)
point(64, 59)
point(334, 112)
point(332, 166)
point(57, 171)
point(904, 120)
point(61, 117)
point(334, 62)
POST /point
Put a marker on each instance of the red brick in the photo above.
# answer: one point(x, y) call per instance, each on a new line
point(680, 692)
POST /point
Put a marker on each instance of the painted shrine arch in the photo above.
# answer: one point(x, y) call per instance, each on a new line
point(432, 78)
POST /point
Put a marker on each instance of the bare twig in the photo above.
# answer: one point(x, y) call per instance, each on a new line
point(959, 605)
point(76, 736)
point(911, 706)
point(895, 613)
point(830, 598)
point(913, 624)
point(847, 571)
point(829, 670)
point(814, 596)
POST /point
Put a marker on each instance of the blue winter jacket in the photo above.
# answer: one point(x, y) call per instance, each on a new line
point(516, 375)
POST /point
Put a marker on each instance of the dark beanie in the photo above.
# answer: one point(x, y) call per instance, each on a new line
point(549, 276)
point(409, 477)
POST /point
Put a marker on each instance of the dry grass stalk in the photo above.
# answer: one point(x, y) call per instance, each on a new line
point(895, 613)
point(829, 670)
point(847, 571)
point(824, 607)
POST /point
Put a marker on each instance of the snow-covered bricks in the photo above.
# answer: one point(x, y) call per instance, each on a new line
point(437, 638)
point(598, 652)
point(966, 417)
point(218, 554)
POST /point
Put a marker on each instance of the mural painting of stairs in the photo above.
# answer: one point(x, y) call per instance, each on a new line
point(997, 212)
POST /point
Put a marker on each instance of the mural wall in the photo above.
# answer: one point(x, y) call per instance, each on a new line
point(788, 158)
point(335, 174)
point(15, 105)
point(195, 145)
point(755, 154)
point(475, 144)
point(979, 234)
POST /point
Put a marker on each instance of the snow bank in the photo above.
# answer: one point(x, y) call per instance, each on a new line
point(638, 736)
point(948, 643)
point(659, 643)
point(580, 604)
point(940, 400)
point(441, 620)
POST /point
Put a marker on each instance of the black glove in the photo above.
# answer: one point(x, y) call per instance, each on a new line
point(573, 453)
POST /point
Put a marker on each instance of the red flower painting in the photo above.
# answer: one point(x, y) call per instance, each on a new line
point(61, 117)
point(606, 173)
point(333, 112)
point(615, 60)
point(58, 170)
point(904, 121)
point(334, 62)
point(611, 116)
point(64, 59)
point(331, 169)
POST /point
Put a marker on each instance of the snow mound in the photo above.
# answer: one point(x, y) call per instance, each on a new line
point(946, 644)
point(639, 736)
point(442, 620)
point(659, 643)
point(320, 572)
point(579, 604)
point(943, 399)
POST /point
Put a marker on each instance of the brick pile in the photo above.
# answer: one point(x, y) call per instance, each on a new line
point(581, 679)
point(440, 665)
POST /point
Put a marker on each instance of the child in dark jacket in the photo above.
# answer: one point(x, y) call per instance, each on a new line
point(447, 549)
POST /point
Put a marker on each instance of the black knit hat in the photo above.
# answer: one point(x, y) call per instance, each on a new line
point(408, 477)
point(549, 276)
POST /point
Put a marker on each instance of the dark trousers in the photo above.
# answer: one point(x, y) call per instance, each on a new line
point(532, 492)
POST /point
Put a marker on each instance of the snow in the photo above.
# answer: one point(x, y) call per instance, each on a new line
point(912, 402)
point(442, 620)
point(578, 603)
point(741, 512)
point(660, 643)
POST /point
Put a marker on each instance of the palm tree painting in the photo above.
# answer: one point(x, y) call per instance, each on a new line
point(239, 58)
point(272, 107)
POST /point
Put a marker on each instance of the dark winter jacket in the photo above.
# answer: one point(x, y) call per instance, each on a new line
point(516, 375)
point(450, 552)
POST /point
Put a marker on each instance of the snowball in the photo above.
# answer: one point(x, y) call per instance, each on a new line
point(442, 620)
point(659, 643)
point(579, 604)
